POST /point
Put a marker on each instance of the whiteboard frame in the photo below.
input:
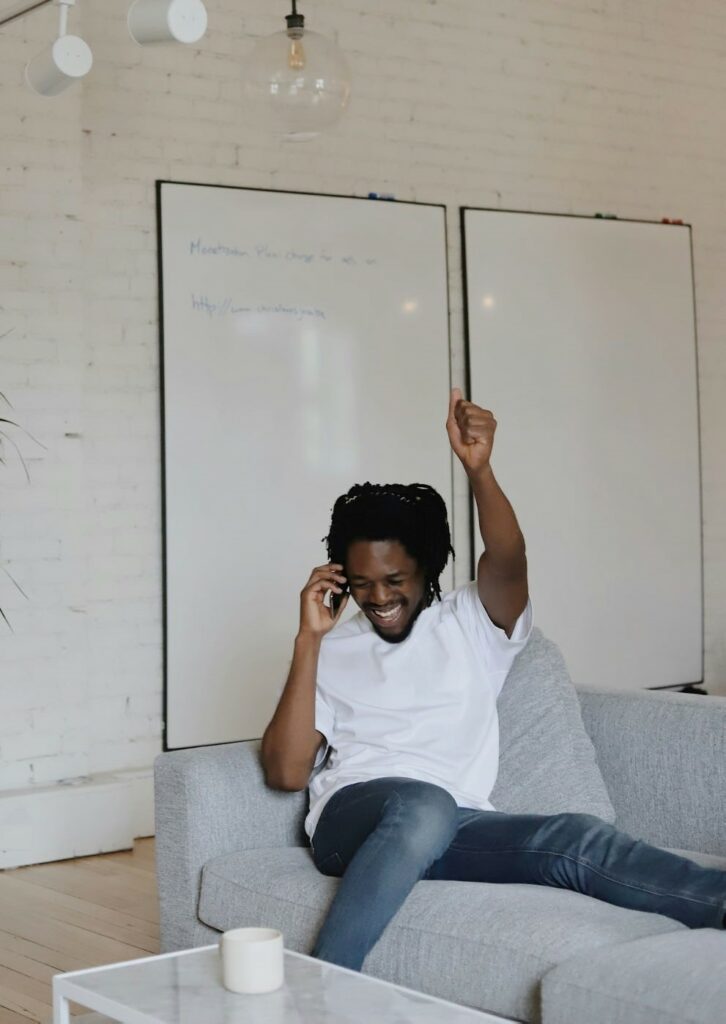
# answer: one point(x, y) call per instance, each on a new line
point(160, 182)
point(473, 516)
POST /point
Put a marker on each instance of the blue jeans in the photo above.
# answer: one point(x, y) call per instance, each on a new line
point(384, 836)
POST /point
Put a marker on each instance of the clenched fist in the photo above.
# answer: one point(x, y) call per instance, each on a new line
point(471, 432)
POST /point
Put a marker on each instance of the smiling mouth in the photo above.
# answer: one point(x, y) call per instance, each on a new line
point(388, 616)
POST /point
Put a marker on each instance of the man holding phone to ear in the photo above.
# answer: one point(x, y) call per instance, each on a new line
point(396, 708)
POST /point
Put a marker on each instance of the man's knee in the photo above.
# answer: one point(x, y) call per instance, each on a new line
point(425, 816)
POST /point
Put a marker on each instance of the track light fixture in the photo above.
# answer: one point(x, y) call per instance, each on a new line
point(296, 80)
point(167, 21)
point(60, 65)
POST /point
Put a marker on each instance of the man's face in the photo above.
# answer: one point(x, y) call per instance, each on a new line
point(387, 584)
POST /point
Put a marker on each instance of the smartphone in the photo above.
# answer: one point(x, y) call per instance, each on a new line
point(336, 599)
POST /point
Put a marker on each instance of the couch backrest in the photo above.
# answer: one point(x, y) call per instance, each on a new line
point(547, 763)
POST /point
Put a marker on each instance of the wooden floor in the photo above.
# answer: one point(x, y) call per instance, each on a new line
point(70, 915)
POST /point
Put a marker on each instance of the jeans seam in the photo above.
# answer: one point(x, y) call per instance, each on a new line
point(357, 799)
point(597, 871)
point(397, 815)
point(352, 799)
point(325, 860)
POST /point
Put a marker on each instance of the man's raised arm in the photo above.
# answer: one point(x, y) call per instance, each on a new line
point(502, 571)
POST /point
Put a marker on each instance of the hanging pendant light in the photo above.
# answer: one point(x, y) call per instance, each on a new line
point(297, 81)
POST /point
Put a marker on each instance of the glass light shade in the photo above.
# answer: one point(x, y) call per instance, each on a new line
point(297, 87)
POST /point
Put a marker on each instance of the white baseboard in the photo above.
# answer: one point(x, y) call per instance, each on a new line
point(96, 814)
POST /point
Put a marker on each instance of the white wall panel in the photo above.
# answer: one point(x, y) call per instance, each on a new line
point(582, 341)
point(305, 349)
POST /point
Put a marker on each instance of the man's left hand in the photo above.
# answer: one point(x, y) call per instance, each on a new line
point(471, 432)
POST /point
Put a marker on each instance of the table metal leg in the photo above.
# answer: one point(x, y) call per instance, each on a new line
point(60, 1008)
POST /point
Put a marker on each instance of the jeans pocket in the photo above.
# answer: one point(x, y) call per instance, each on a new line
point(331, 865)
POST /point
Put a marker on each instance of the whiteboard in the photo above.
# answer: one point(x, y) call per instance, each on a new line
point(581, 337)
point(305, 348)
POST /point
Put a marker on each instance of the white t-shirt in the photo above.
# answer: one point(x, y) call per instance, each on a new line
point(423, 709)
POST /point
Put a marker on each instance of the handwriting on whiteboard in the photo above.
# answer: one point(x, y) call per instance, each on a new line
point(263, 251)
point(226, 307)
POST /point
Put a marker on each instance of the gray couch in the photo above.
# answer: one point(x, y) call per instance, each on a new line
point(231, 852)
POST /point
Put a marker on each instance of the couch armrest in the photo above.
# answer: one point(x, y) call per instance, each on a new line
point(209, 801)
point(663, 758)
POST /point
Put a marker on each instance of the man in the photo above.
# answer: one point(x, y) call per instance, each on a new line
point(402, 701)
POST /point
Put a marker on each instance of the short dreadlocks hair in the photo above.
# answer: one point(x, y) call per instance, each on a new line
point(413, 514)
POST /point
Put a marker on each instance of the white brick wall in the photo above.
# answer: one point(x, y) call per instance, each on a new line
point(567, 106)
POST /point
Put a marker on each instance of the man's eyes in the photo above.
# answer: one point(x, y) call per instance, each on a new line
point(394, 583)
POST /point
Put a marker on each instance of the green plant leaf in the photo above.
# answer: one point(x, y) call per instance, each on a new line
point(20, 454)
point(26, 432)
point(13, 580)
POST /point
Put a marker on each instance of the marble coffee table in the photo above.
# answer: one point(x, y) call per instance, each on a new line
point(186, 988)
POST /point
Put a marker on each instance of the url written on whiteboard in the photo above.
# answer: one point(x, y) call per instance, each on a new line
point(226, 307)
point(263, 251)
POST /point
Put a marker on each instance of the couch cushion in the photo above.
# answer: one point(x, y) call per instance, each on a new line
point(487, 946)
point(547, 762)
point(661, 979)
point(706, 860)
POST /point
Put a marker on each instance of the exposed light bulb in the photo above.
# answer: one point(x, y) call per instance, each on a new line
point(297, 82)
point(295, 32)
point(296, 55)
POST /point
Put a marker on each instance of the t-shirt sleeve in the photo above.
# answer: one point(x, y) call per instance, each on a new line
point(324, 723)
point(498, 650)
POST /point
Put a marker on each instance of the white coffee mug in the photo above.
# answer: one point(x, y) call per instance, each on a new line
point(252, 959)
